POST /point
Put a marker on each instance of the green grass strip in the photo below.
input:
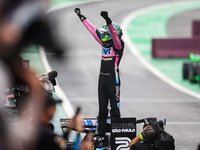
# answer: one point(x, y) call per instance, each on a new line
point(59, 2)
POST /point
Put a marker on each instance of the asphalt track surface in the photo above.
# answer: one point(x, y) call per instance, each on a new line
point(142, 93)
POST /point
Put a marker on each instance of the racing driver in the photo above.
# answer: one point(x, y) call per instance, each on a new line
point(109, 37)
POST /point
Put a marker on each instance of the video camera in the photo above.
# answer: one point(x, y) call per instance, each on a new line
point(162, 139)
point(152, 121)
point(154, 129)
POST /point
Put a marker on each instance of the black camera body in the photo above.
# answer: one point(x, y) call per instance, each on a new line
point(156, 127)
point(152, 121)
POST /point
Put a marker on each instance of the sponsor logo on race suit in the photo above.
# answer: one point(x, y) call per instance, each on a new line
point(107, 52)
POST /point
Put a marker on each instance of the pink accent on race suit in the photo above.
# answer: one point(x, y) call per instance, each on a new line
point(117, 98)
point(92, 29)
point(116, 61)
point(115, 37)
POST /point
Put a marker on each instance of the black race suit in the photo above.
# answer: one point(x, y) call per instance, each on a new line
point(109, 81)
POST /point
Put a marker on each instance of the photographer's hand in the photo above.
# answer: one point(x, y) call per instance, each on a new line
point(142, 135)
point(138, 138)
point(146, 127)
point(79, 123)
point(87, 142)
point(135, 140)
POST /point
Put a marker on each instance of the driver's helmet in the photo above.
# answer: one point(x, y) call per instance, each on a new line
point(105, 32)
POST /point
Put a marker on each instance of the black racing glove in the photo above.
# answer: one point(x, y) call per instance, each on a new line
point(78, 12)
point(104, 14)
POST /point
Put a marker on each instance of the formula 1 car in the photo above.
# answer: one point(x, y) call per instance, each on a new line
point(191, 69)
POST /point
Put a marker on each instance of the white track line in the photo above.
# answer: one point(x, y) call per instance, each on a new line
point(66, 103)
point(136, 52)
point(178, 123)
point(140, 100)
point(183, 123)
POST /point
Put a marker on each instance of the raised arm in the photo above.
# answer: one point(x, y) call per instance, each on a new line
point(112, 29)
point(91, 28)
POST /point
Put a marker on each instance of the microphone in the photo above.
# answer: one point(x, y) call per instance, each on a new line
point(52, 74)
